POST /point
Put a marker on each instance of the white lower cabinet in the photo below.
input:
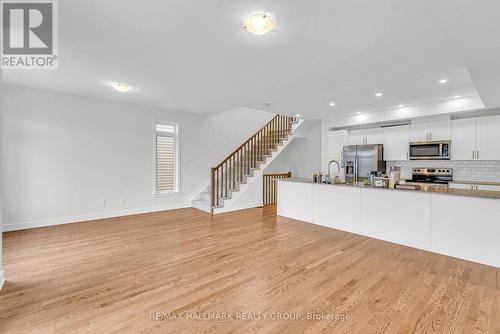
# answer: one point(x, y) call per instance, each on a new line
point(392, 216)
point(337, 209)
point(460, 226)
point(293, 206)
point(467, 228)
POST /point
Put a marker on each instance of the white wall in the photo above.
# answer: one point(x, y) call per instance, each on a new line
point(2, 277)
point(226, 131)
point(65, 154)
point(303, 156)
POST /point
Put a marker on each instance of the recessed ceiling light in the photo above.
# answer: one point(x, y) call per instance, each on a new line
point(456, 96)
point(379, 94)
point(259, 24)
point(401, 105)
point(332, 104)
point(120, 87)
point(443, 81)
point(298, 115)
point(358, 113)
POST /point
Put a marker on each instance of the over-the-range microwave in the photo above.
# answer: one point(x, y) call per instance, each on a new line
point(430, 150)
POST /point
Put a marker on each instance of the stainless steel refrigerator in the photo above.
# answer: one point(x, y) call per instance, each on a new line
point(360, 160)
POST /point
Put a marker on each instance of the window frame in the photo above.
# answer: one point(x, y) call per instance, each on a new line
point(176, 136)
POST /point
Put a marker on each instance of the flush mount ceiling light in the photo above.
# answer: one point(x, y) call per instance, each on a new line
point(443, 81)
point(259, 24)
point(379, 94)
point(120, 87)
point(332, 104)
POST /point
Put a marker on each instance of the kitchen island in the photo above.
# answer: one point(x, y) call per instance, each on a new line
point(455, 222)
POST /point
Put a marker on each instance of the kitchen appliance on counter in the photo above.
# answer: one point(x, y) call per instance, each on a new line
point(431, 178)
point(430, 150)
point(361, 160)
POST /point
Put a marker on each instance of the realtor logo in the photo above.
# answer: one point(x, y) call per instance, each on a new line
point(29, 33)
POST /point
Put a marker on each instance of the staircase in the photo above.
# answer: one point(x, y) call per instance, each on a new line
point(234, 175)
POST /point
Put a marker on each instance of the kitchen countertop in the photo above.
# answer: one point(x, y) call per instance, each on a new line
point(454, 192)
point(485, 183)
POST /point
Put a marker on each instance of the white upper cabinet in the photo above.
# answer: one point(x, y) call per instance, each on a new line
point(439, 130)
point(396, 145)
point(336, 142)
point(488, 138)
point(463, 139)
point(374, 136)
point(356, 137)
point(471, 138)
point(419, 132)
point(366, 136)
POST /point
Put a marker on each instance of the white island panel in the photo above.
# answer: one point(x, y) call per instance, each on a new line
point(295, 200)
point(337, 207)
point(397, 216)
point(467, 228)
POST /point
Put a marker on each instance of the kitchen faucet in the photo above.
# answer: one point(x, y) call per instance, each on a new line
point(329, 165)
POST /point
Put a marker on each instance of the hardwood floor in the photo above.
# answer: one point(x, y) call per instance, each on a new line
point(109, 276)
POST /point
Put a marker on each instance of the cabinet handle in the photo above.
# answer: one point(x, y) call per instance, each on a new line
point(477, 154)
point(407, 156)
point(473, 154)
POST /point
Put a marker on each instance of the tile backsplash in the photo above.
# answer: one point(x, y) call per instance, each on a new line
point(462, 170)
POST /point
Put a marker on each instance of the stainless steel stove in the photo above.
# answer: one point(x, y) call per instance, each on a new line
point(431, 178)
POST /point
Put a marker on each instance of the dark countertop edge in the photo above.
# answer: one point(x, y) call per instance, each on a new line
point(451, 192)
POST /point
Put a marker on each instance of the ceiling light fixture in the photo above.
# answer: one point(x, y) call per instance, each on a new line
point(332, 104)
point(379, 94)
point(259, 24)
point(443, 81)
point(358, 113)
point(401, 105)
point(120, 87)
point(456, 96)
point(298, 115)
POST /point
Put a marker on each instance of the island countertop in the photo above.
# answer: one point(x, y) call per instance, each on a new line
point(448, 191)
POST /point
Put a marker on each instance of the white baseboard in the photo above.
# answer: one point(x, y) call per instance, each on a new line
point(239, 207)
point(93, 216)
point(2, 279)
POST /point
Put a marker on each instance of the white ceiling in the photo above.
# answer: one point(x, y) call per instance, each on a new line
point(195, 55)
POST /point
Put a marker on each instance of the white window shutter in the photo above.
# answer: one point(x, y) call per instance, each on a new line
point(166, 158)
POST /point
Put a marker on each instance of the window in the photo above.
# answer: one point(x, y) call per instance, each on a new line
point(166, 176)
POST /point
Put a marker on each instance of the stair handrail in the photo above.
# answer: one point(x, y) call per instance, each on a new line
point(260, 143)
point(246, 142)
